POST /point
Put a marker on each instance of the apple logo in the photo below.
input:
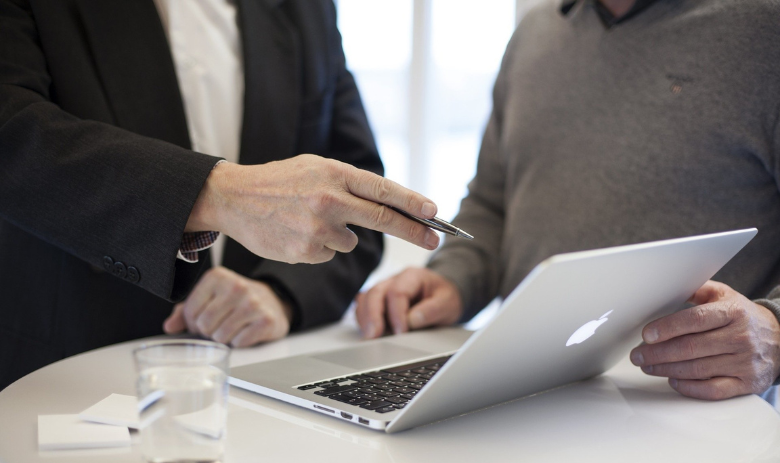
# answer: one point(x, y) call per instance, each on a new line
point(587, 330)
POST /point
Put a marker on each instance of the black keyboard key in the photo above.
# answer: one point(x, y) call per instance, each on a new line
point(376, 404)
point(376, 374)
point(306, 387)
point(416, 386)
point(382, 387)
point(399, 406)
point(404, 390)
point(336, 390)
point(353, 394)
point(389, 394)
point(398, 383)
point(408, 396)
point(397, 400)
point(414, 380)
point(416, 365)
point(385, 409)
point(378, 381)
point(420, 371)
point(327, 384)
point(358, 401)
point(339, 380)
point(407, 374)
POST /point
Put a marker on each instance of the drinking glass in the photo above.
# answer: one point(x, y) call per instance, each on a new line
point(182, 399)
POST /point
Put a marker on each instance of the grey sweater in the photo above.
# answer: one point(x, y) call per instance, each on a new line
point(663, 126)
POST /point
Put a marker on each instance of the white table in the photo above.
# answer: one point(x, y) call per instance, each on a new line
point(621, 416)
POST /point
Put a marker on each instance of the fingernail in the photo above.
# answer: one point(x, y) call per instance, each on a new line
point(431, 239)
point(416, 319)
point(637, 358)
point(673, 383)
point(428, 209)
point(647, 369)
point(651, 335)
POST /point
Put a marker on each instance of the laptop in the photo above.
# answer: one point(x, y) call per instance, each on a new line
point(573, 317)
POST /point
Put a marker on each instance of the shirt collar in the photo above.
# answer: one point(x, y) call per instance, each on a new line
point(604, 14)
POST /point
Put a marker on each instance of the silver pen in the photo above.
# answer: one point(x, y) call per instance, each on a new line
point(436, 223)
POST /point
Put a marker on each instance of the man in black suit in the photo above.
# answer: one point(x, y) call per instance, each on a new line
point(99, 184)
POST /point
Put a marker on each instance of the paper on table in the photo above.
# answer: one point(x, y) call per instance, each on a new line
point(209, 421)
point(57, 432)
point(116, 409)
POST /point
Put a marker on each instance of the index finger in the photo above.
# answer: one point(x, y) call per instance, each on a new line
point(692, 320)
point(378, 189)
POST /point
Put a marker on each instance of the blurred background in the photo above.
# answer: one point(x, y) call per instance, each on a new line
point(425, 70)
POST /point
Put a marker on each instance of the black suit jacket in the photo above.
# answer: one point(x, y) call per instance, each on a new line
point(97, 178)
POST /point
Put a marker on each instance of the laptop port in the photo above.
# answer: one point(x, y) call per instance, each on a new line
point(363, 421)
point(346, 415)
point(323, 408)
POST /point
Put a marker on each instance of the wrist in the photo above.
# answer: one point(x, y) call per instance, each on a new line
point(208, 208)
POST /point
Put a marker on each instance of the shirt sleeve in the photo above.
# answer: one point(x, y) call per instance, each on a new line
point(772, 302)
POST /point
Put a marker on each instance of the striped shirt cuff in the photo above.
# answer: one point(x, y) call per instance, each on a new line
point(193, 242)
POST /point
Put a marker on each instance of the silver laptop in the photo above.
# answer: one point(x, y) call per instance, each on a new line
point(573, 317)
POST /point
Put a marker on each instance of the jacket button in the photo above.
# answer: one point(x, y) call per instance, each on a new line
point(132, 275)
point(108, 264)
point(120, 270)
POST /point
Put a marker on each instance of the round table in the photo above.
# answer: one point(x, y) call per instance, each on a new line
point(622, 416)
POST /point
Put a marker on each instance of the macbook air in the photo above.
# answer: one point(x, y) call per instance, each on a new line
point(573, 317)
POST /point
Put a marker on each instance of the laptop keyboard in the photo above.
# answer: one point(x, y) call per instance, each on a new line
point(383, 390)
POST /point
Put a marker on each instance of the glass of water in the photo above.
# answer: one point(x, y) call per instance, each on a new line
point(182, 399)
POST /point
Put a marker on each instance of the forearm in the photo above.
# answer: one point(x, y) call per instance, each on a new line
point(95, 190)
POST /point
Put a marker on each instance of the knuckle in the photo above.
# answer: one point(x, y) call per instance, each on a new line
point(323, 201)
point(382, 216)
point(381, 188)
point(690, 346)
point(698, 315)
point(239, 286)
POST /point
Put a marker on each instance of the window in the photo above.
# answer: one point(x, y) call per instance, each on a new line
point(425, 69)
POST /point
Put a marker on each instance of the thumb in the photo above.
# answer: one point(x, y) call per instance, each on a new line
point(710, 291)
point(175, 322)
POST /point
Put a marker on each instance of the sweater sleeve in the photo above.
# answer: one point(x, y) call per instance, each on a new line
point(475, 266)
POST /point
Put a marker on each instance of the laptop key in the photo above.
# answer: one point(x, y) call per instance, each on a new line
point(416, 386)
point(335, 390)
point(306, 387)
point(389, 394)
point(376, 374)
point(396, 400)
point(404, 390)
point(385, 409)
point(408, 396)
point(378, 381)
point(376, 404)
point(399, 406)
point(357, 402)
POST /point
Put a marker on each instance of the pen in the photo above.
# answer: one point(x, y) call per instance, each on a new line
point(436, 223)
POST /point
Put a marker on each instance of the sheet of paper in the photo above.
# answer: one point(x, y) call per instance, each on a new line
point(116, 409)
point(57, 432)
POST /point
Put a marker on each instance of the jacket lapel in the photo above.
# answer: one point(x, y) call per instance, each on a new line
point(272, 82)
point(136, 68)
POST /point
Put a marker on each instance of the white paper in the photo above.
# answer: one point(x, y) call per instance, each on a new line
point(209, 421)
point(116, 409)
point(57, 432)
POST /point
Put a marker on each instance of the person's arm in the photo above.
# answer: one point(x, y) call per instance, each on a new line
point(101, 193)
point(320, 294)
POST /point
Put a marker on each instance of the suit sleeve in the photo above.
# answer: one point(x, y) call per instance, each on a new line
point(321, 293)
point(475, 266)
point(96, 191)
